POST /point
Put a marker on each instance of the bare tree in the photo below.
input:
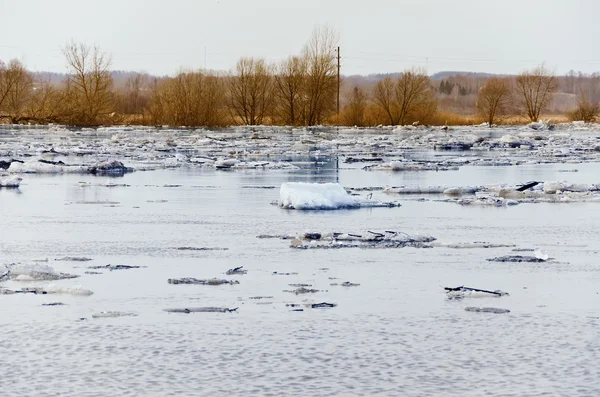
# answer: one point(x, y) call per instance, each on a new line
point(289, 90)
point(134, 99)
point(16, 86)
point(190, 99)
point(414, 95)
point(89, 85)
point(494, 99)
point(535, 88)
point(587, 110)
point(385, 98)
point(47, 103)
point(251, 91)
point(354, 111)
point(321, 83)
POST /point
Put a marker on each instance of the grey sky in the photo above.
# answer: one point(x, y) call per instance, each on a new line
point(160, 37)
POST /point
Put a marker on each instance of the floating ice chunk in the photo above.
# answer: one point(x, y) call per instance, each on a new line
point(109, 314)
point(11, 181)
point(553, 187)
point(227, 163)
point(315, 196)
point(542, 255)
point(36, 272)
point(458, 191)
point(111, 168)
point(188, 310)
point(508, 139)
point(37, 167)
point(462, 292)
point(267, 165)
point(494, 310)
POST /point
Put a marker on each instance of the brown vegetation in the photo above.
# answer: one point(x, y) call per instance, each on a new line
point(300, 90)
point(535, 89)
point(586, 111)
point(88, 91)
point(189, 99)
point(494, 99)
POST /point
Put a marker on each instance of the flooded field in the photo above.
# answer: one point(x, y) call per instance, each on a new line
point(195, 207)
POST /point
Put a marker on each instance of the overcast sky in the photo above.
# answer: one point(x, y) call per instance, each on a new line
point(376, 36)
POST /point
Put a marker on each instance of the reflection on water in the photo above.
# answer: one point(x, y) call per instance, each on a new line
point(395, 334)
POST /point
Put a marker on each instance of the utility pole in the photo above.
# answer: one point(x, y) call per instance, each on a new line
point(338, 81)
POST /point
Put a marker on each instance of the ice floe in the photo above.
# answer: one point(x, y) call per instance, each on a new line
point(10, 181)
point(323, 196)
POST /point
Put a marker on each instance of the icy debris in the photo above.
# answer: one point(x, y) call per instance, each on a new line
point(201, 249)
point(264, 165)
point(368, 239)
point(315, 196)
point(73, 259)
point(542, 125)
point(202, 310)
point(225, 164)
point(519, 258)
point(475, 244)
point(10, 181)
point(303, 290)
point(109, 168)
point(540, 254)
point(38, 167)
point(236, 271)
point(212, 281)
point(322, 305)
point(76, 291)
point(458, 293)
point(450, 191)
point(34, 272)
point(488, 201)
point(409, 165)
point(6, 291)
point(110, 314)
point(555, 187)
point(115, 267)
point(322, 196)
point(493, 310)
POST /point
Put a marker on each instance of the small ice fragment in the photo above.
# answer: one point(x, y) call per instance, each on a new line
point(541, 254)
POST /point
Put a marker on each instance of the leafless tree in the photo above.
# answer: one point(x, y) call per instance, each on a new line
point(414, 95)
point(535, 89)
point(354, 111)
point(321, 85)
point(89, 85)
point(47, 103)
point(16, 86)
point(587, 110)
point(385, 97)
point(190, 99)
point(494, 99)
point(135, 98)
point(251, 91)
point(289, 91)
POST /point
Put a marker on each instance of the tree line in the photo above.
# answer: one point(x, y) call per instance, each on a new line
point(300, 91)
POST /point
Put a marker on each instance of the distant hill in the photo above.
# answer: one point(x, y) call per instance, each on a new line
point(446, 74)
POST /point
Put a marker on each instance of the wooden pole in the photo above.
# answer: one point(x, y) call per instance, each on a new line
point(338, 81)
